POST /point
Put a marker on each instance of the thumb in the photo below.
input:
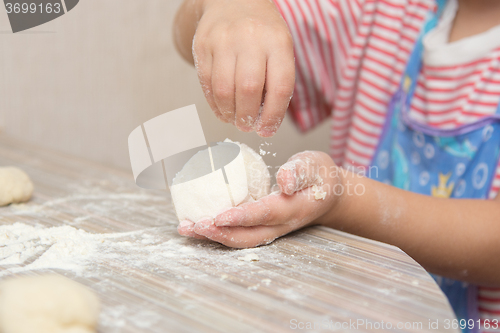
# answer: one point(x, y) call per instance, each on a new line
point(301, 171)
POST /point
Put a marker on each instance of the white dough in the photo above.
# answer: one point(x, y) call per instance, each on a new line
point(209, 195)
point(258, 177)
point(15, 186)
point(47, 304)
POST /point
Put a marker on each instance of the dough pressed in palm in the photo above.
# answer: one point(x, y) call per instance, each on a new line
point(204, 197)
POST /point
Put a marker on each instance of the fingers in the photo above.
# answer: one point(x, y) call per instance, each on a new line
point(223, 85)
point(234, 84)
point(270, 210)
point(250, 78)
point(203, 64)
point(260, 222)
point(241, 237)
point(186, 228)
point(274, 209)
point(280, 80)
point(301, 171)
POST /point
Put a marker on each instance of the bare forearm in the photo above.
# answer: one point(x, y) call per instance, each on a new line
point(456, 238)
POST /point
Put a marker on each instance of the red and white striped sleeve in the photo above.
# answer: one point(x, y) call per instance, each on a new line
point(323, 32)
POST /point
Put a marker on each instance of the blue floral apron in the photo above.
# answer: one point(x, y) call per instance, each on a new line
point(453, 163)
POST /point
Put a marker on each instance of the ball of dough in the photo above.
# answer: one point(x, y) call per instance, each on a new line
point(258, 177)
point(197, 198)
point(47, 304)
point(15, 186)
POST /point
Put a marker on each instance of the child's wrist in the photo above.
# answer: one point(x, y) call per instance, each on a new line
point(334, 183)
point(344, 190)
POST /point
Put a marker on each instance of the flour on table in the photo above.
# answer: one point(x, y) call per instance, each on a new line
point(249, 257)
point(60, 247)
point(15, 186)
point(267, 282)
point(154, 251)
point(29, 248)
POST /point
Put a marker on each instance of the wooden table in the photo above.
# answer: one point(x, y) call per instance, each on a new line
point(150, 279)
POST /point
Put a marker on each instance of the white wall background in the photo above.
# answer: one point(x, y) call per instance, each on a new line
point(81, 83)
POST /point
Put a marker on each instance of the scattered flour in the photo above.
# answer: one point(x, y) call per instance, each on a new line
point(66, 248)
point(26, 248)
point(63, 247)
point(113, 316)
point(290, 294)
point(267, 282)
point(145, 318)
point(263, 152)
point(249, 257)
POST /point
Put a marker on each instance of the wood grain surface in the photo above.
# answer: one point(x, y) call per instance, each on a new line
point(150, 279)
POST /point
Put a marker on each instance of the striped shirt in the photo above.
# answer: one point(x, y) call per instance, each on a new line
point(350, 56)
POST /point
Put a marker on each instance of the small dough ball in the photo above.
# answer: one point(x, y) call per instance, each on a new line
point(15, 186)
point(47, 304)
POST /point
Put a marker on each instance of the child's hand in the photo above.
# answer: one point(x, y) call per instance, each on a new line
point(243, 53)
point(275, 215)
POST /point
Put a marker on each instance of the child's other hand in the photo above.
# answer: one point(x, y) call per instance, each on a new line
point(243, 53)
point(261, 222)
